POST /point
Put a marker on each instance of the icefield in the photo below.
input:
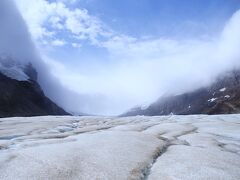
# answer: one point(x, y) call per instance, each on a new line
point(110, 148)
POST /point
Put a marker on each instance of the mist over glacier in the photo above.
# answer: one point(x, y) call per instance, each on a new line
point(138, 70)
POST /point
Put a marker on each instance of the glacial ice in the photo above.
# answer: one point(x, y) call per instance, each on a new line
point(168, 147)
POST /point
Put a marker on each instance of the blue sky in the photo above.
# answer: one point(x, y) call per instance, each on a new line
point(160, 17)
point(133, 51)
point(153, 19)
point(144, 19)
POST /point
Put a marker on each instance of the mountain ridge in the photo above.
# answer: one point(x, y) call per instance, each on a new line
point(20, 93)
point(221, 97)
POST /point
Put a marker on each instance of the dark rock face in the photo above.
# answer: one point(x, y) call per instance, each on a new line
point(222, 97)
point(25, 98)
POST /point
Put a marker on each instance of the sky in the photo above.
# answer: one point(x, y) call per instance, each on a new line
point(119, 54)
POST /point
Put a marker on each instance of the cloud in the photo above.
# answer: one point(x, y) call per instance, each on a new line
point(58, 42)
point(230, 39)
point(16, 43)
point(14, 36)
point(69, 1)
point(47, 20)
point(138, 70)
point(76, 45)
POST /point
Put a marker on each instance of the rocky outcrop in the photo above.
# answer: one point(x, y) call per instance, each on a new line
point(25, 98)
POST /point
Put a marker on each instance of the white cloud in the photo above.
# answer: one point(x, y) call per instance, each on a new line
point(58, 42)
point(69, 1)
point(140, 69)
point(55, 21)
point(76, 45)
point(35, 15)
point(43, 15)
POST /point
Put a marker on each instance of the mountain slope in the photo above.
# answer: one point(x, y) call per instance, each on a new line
point(21, 95)
point(222, 97)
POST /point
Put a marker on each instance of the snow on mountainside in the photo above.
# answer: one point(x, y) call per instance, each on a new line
point(12, 69)
point(196, 147)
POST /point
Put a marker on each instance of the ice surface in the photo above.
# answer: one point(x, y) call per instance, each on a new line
point(167, 147)
point(188, 163)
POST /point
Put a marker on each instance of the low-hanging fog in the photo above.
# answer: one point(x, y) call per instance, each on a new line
point(139, 70)
point(16, 42)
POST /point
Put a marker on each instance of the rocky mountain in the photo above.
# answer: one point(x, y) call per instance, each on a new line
point(222, 97)
point(20, 94)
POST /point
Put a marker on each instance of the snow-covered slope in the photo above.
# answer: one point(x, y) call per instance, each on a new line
point(171, 147)
point(12, 69)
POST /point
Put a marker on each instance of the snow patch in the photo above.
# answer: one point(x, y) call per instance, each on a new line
point(227, 96)
point(12, 69)
point(212, 100)
point(222, 90)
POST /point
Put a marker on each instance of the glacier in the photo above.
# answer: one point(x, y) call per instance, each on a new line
point(172, 147)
